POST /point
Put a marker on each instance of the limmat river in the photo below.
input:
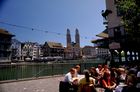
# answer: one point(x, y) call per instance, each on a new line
point(19, 71)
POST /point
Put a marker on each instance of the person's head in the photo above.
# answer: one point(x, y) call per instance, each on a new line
point(105, 66)
point(72, 71)
point(99, 66)
point(77, 67)
point(131, 80)
point(87, 74)
point(121, 70)
point(93, 69)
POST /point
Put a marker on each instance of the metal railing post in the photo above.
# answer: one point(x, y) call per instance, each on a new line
point(52, 69)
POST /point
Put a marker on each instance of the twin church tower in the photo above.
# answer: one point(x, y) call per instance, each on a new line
point(71, 44)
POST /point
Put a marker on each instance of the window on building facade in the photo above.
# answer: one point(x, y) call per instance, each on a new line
point(117, 32)
point(116, 1)
point(119, 11)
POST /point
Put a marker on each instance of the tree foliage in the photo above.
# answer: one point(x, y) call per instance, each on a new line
point(130, 10)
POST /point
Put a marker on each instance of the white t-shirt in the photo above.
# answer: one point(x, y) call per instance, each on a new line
point(138, 74)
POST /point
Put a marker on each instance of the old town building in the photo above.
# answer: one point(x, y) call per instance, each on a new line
point(30, 50)
point(53, 49)
point(5, 45)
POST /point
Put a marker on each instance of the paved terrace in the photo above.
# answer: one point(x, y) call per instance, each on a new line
point(49, 84)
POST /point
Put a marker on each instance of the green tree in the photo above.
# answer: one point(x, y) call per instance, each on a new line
point(130, 11)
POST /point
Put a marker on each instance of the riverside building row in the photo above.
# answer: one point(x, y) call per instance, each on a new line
point(12, 49)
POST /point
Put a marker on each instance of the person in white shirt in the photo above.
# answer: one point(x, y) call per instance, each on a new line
point(138, 78)
point(71, 76)
point(98, 69)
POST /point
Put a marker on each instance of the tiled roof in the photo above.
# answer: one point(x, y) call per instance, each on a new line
point(88, 47)
point(99, 40)
point(103, 34)
point(55, 45)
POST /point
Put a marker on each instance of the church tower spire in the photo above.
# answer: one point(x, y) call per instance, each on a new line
point(68, 39)
point(77, 38)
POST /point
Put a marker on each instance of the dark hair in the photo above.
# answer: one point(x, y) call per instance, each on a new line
point(93, 72)
point(77, 66)
point(87, 75)
point(72, 69)
point(106, 74)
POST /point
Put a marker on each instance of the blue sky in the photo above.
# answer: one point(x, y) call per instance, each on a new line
point(53, 16)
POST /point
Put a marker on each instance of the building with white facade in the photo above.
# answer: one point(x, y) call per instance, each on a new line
point(16, 49)
point(89, 52)
point(102, 53)
point(95, 52)
point(30, 50)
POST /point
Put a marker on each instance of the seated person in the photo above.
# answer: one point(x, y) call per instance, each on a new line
point(86, 84)
point(107, 83)
point(122, 75)
point(72, 81)
point(99, 69)
point(95, 75)
point(71, 77)
point(138, 78)
point(131, 84)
